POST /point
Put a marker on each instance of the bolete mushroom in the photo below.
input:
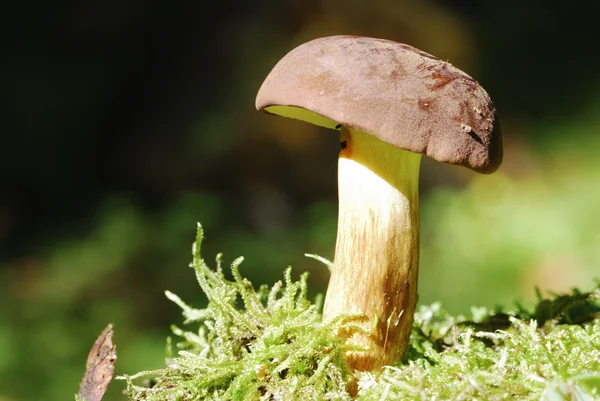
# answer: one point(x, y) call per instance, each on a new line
point(392, 103)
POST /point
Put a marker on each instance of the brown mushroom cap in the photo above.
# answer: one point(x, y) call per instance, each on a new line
point(402, 95)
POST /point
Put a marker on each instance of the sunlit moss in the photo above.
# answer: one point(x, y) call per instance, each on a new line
point(522, 362)
point(269, 344)
point(273, 347)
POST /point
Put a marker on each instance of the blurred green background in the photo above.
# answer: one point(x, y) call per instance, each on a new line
point(128, 121)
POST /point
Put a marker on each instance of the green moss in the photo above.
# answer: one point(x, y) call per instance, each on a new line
point(273, 347)
point(526, 362)
point(269, 344)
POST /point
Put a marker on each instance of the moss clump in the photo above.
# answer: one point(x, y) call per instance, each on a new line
point(452, 360)
point(272, 346)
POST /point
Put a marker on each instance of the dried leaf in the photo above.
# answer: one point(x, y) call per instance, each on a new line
point(100, 367)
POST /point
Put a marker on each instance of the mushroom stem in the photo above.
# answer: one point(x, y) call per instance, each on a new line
point(377, 250)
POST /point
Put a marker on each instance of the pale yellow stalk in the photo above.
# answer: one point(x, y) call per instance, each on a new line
point(377, 250)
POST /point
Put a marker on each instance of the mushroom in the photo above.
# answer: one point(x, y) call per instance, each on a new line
point(391, 103)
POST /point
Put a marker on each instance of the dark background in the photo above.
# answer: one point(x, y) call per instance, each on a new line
point(126, 122)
